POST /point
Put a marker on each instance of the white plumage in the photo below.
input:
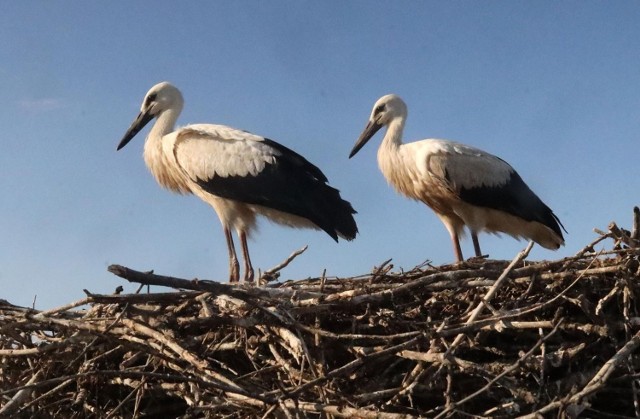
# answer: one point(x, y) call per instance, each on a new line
point(462, 184)
point(241, 175)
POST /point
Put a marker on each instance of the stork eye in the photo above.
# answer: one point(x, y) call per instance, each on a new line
point(380, 108)
point(151, 98)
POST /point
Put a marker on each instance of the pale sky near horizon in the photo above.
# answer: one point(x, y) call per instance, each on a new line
point(551, 87)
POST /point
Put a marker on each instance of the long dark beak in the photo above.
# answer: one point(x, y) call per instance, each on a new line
point(369, 131)
point(141, 120)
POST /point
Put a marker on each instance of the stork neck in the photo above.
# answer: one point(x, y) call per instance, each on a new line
point(165, 124)
point(393, 136)
point(154, 156)
point(389, 150)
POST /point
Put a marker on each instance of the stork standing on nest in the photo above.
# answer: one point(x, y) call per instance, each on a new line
point(241, 175)
point(462, 184)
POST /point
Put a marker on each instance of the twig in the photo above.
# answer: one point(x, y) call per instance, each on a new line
point(619, 234)
point(509, 370)
point(385, 344)
point(635, 229)
point(182, 353)
point(273, 273)
point(492, 291)
point(22, 394)
point(115, 410)
point(48, 393)
point(240, 291)
point(580, 399)
point(148, 278)
point(341, 411)
point(345, 369)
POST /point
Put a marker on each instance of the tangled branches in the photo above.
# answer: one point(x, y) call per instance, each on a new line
point(485, 337)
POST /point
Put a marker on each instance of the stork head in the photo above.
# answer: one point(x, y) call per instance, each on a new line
point(160, 98)
point(387, 109)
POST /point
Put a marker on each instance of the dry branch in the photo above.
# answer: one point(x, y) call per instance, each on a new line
point(481, 338)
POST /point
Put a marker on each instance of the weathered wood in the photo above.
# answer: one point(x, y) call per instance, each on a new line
point(479, 338)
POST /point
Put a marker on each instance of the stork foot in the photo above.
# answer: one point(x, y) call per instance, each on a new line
point(234, 271)
point(248, 267)
point(248, 275)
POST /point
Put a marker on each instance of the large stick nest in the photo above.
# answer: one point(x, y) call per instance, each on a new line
point(481, 338)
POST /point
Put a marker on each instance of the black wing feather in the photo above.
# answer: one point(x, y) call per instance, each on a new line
point(291, 185)
point(297, 160)
point(515, 198)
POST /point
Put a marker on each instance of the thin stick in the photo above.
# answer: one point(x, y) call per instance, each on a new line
point(22, 394)
point(595, 384)
point(273, 273)
point(345, 369)
point(509, 370)
point(635, 230)
point(492, 291)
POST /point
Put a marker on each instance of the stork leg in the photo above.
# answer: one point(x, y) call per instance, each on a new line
point(248, 269)
point(456, 247)
point(453, 227)
point(476, 244)
point(234, 266)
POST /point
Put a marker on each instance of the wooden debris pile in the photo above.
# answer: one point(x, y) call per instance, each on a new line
point(487, 338)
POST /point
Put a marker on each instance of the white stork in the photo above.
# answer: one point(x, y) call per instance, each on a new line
point(462, 184)
point(241, 175)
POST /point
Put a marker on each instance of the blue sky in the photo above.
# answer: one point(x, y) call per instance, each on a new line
point(551, 87)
